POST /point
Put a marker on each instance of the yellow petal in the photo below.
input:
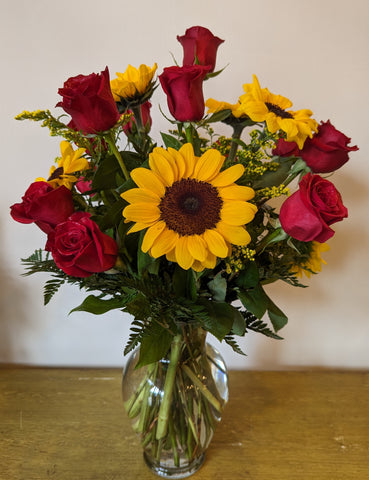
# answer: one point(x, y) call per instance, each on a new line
point(141, 213)
point(236, 192)
point(233, 233)
point(188, 155)
point(66, 148)
point(197, 247)
point(216, 243)
point(151, 235)
point(164, 243)
point(183, 256)
point(140, 195)
point(145, 178)
point(208, 165)
point(228, 176)
point(137, 226)
point(171, 159)
point(160, 165)
point(171, 256)
point(237, 213)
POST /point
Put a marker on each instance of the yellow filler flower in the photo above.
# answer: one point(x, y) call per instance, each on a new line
point(193, 212)
point(261, 105)
point(71, 161)
point(133, 83)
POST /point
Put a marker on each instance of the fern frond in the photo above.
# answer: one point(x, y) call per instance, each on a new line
point(50, 289)
point(230, 340)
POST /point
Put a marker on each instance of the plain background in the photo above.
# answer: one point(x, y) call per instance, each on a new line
point(314, 52)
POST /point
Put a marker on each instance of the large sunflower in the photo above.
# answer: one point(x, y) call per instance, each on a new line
point(193, 212)
point(261, 105)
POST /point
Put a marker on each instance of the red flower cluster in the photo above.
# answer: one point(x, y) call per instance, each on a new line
point(309, 212)
point(183, 85)
point(76, 243)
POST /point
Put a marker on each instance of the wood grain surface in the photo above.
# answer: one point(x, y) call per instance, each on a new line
point(69, 424)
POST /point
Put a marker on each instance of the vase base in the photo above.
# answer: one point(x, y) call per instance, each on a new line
point(165, 471)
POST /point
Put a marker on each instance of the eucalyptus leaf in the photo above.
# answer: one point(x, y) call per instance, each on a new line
point(255, 300)
point(218, 287)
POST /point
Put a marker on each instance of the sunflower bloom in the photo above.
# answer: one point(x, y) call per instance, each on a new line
point(71, 161)
point(262, 106)
point(315, 261)
point(192, 211)
point(215, 106)
point(134, 83)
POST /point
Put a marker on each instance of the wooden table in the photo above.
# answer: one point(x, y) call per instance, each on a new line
point(69, 424)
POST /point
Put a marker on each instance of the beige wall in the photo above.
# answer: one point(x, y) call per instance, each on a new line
point(314, 52)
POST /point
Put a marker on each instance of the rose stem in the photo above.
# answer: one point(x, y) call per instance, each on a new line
point(115, 151)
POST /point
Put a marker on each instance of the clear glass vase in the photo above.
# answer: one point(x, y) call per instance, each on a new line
point(176, 403)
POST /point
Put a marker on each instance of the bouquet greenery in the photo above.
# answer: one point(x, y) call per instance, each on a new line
point(182, 229)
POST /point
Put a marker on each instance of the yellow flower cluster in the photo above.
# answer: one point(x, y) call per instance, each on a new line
point(238, 260)
point(273, 192)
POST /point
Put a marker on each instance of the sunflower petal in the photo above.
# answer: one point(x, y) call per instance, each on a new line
point(208, 165)
point(216, 243)
point(233, 233)
point(160, 165)
point(237, 213)
point(145, 178)
point(151, 235)
point(140, 195)
point(236, 192)
point(197, 247)
point(141, 213)
point(164, 243)
point(228, 176)
point(188, 155)
point(183, 256)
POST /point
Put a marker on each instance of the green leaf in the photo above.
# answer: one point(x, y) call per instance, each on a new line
point(255, 300)
point(184, 283)
point(270, 179)
point(170, 141)
point(154, 346)
point(249, 277)
point(277, 317)
point(106, 171)
point(239, 324)
point(219, 116)
point(221, 317)
point(218, 287)
point(98, 306)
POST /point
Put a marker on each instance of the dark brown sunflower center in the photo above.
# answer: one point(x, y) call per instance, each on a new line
point(278, 110)
point(190, 206)
point(58, 172)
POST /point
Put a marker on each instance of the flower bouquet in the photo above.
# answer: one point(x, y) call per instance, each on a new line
point(183, 232)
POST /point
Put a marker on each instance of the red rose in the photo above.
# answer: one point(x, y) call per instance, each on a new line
point(307, 214)
point(79, 248)
point(327, 150)
point(199, 46)
point(44, 206)
point(183, 87)
point(146, 118)
point(90, 103)
point(286, 149)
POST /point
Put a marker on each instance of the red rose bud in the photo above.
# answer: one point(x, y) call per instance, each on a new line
point(44, 206)
point(79, 248)
point(286, 149)
point(327, 150)
point(307, 213)
point(90, 103)
point(199, 46)
point(183, 87)
point(145, 115)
